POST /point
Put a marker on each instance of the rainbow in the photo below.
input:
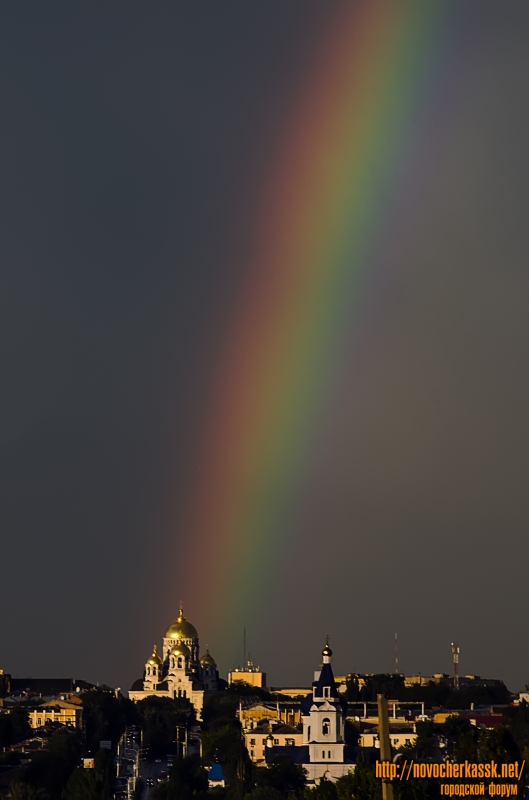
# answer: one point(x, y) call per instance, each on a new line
point(321, 212)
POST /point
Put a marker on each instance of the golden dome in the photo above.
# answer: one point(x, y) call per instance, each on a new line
point(207, 659)
point(181, 649)
point(326, 651)
point(155, 658)
point(181, 628)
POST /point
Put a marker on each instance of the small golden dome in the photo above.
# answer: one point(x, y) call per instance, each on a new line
point(181, 649)
point(155, 658)
point(207, 659)
point(181, 628)
point(326, 651)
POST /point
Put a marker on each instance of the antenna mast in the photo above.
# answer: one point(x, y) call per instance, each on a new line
point(244, 648)
point(455, 655)
point(396, 654)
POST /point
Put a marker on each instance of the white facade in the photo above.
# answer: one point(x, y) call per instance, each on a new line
point(323, 728)
point(322, 749)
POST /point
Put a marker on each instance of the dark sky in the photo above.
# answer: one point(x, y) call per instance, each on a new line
point(133, 137)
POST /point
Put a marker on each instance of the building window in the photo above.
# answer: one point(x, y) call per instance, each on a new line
point(276, 741)
point(326, 726)
point(329, 753)
point(289, 742)
point(252, 753)
point(264, 741)
point(252, 741)
point(323, 753)
point(326, 691)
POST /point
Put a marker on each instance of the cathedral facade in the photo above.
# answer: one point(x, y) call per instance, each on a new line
point(178, 671)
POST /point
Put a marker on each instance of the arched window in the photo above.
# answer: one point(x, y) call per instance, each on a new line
point(326, 726)
point(179, 663)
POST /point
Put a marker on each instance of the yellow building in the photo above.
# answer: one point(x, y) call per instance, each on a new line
point(399, 735)
point(252, 714)
point(266, 734)
point(424, 680)
point(293, 692)
point(250, 674)
point(65, 712)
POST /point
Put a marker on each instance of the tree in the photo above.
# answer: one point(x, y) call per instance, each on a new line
point(351, 734)
point(360, 784)
point(21, 791)
point(324, 790)
point(264, 793)
point(50, 769)
point(20, 718)
point(6, 731)
point(497, 744)
point(454, 726)
point(409, 790)
point(466, 746)
point(283, 775)
point(517, 719)
point(188, 780)
point(389, 684)
point(222, 741)
point(425, 742)
point(159, 718)
point(106, 715)
point(245, 689)
point(11, 758)
point(13, 725)
point(92, 784)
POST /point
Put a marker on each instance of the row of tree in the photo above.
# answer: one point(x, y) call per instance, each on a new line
point(433, 694)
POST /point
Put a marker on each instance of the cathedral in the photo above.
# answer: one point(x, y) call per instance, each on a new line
point(179, 671)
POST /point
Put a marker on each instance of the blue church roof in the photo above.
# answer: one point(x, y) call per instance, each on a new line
point(326, 680)
point(215, 773)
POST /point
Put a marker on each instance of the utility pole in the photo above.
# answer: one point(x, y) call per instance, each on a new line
point(455, 655)
point(244, 648)
point(396, 654)
point(385, 745)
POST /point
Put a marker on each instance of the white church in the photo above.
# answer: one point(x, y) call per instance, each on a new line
point(323, 752)
point(179, 671)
